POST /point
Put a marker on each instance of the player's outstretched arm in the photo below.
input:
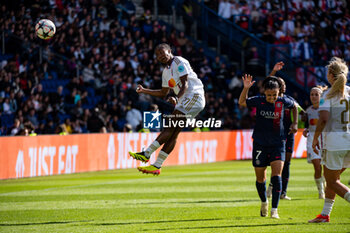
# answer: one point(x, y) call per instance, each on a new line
point(157, 93)
point(247, 83)
point(278, 66)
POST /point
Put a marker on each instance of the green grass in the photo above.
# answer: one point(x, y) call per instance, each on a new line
point(217, 197)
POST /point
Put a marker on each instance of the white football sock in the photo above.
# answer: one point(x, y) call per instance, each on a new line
point(327, 207)
point(160, 159)
point(152, 148)
point(319, 184)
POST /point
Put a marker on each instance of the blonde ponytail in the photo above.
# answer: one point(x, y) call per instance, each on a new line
point(338, 68)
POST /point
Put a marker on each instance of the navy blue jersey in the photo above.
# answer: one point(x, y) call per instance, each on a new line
point(269, 127)
point(287, 121)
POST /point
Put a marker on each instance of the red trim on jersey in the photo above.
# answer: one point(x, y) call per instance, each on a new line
point(278, 110)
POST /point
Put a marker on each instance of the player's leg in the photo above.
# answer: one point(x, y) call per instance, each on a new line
point(276, 171)
point(182, 110)
point(285, 176)
point(162, 156)
point(269, 190)
point(328, 203)
point(166, 135)
point(260, 162)
point(169, 144)
point(334, 183)
point(318, 177)
point(334, 164)
point(162, 138)
point(260, 173)
point(167, 148)
point(286, 166)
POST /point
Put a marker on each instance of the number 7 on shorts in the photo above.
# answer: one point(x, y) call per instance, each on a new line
point(258, 154)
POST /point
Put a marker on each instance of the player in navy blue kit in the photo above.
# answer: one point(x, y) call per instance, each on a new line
point(268, 137)
point(288, 119)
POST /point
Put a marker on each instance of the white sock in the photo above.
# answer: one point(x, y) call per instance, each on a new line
point(160, 159)
point(327, 207)
point(347, 196)
point(152, 148)
point(319, 184)
point(273, 209)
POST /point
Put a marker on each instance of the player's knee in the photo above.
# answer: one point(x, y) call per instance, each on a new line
point(331, 183)
point(260, 180)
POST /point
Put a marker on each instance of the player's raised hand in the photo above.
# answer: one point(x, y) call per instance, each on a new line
point(278, 66)
point(139, 88)
point(247, 80)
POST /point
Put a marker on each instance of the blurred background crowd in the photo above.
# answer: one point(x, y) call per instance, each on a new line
point(84, 78)
point(316, 29)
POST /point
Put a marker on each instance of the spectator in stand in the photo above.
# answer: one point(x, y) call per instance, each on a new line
point(205, 68)
point(99, 47)
point(288, 25)
point(225, 9)
point(33, 118)
point(134, 117)
point(95, 123)
point(15, 128)
point(187, 6)
point(6, 108)
point(235, 85)
point(216, 65)
point(306, 52)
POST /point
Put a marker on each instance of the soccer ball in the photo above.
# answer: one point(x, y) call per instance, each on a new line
point(45, 29)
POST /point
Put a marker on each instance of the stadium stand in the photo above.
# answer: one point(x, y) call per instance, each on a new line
point(101, 51)
point(320, 24)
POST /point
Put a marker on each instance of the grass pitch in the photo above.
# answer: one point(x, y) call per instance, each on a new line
point(217, 197)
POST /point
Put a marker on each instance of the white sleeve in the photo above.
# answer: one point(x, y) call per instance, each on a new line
point(182, 69)
point(164, 82)
point(325, 104)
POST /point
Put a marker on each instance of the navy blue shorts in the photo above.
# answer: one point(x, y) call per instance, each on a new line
point(290, 143)
point(264, 155)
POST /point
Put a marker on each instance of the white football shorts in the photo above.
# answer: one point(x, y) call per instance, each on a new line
point(191, 104)
point(311, 155)
point(336, 160)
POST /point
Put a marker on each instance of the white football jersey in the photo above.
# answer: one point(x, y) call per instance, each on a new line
point(178, 68)
point(312, 117)
point(337, 129)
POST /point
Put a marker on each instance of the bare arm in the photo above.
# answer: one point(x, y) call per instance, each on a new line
point(294, 126)
point(184, 86)
point(321, 123)
point(306, 130)
point(247, 83)
point(157, 93)
point(278, 66)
